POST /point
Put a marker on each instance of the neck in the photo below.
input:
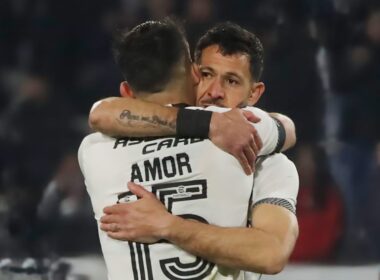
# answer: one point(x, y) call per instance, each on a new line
point(179, 92)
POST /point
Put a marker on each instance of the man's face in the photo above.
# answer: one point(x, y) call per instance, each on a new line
point(225, 80)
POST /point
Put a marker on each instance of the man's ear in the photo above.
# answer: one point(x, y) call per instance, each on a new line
point(126, 90)
point(195, 73)
point(256, 91)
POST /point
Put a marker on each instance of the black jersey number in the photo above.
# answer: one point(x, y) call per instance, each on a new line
point(173, 268)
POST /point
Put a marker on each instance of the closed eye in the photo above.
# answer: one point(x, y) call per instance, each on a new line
point(206, 74)
point(232, 82)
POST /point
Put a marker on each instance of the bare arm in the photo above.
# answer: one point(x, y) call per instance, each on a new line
point(122, 116)
point(230, 131)
point(264, 248)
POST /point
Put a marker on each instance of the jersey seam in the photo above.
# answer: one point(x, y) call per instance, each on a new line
point(276, 201)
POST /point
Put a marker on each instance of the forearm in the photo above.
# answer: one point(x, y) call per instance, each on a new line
point(290, 130)
point(264, 248)
point(118, 116)
point(241, 248)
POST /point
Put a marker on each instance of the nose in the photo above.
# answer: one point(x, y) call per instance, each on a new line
point(215, 90)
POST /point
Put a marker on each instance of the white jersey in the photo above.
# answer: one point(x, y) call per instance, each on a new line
point(276, 182)
point(192, 177)
point(267, 128)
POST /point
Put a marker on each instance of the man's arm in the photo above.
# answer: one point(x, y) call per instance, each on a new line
point(123, 116)
point(276, 131)
point(232, 131)
point(264, 248)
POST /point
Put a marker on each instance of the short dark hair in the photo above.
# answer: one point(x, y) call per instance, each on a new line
point(149, 53)
point(233, 39)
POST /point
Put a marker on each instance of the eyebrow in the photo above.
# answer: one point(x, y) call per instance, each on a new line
point(233, 74)
point(201, 67)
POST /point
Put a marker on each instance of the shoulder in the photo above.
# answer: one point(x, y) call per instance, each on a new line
point(276, 177)
point(91, 140)
point(277, 164)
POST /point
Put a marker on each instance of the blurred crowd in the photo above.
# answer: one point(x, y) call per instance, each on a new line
point(322, 68)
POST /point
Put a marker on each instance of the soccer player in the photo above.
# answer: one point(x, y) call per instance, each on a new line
point(230, 78)
point(190, 185)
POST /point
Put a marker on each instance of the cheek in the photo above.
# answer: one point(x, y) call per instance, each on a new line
point(231, 103)
point(235, 98)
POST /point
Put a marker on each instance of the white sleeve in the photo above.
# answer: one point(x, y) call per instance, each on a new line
point(84, 167)
point(276, 182)
point(267, 128)
point(86, 164)
point(80, 156)
point(82, 151)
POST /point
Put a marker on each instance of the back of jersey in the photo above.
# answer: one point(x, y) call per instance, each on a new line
point(191, 177)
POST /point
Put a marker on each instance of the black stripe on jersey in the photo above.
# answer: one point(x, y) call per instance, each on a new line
point(281, 136)
point(143, 256)
point(148, 263)
point(197, 270)
point(249, 222)
point(133, 258)
point(194, 217)
point(141, 261)
point(277, 201)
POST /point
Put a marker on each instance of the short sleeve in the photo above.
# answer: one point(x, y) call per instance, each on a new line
point(276, 182)
point(80, 155)
point(267, 127)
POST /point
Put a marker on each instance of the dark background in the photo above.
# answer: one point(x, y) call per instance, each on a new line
point(322, 68)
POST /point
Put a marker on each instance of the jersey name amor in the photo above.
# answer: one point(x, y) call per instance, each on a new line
point(159, 167)
point(191, 177)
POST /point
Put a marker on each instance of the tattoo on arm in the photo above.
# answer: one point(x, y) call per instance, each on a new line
point(127, 118)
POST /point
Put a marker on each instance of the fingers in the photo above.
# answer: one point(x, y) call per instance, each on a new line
point(109, 219)
point(121, 207)
point(253, 146)
point(138, 190)
point(115, 209)
point(244, 163)
point(258, 141)
point(114, 231)
point(251, 116)
point(250, 155)
point(117, 235)
point(113, 227)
